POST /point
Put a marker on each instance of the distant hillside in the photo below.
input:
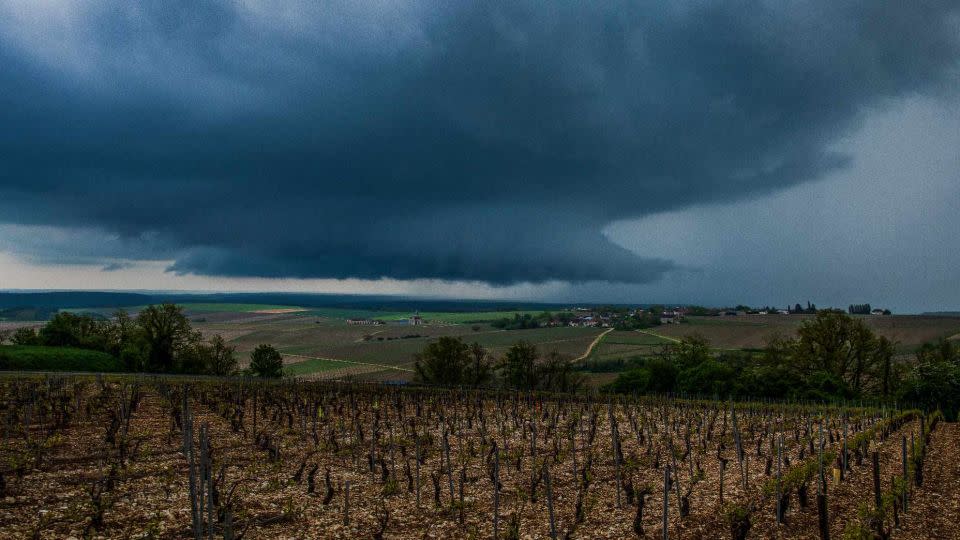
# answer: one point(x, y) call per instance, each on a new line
point(20, 313)
point(51, 301)
point(57, 300)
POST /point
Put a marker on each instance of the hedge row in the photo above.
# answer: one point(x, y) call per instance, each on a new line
point(40, 358)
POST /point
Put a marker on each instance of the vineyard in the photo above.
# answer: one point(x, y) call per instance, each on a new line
point(180, 457)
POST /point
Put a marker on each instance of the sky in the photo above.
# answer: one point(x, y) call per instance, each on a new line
point(690, 152)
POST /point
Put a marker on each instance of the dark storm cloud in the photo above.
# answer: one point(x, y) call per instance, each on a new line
point(457, 141)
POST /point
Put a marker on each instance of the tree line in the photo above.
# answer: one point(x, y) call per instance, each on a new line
point(450, 361)
point(834, 356)
point(159, 339)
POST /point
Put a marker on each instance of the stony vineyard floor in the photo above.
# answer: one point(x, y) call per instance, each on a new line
point(139, 457)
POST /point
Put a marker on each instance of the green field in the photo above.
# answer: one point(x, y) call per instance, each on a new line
point(626, 344)
point(39, 358)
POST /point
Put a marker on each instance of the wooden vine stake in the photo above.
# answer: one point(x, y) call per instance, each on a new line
point(346, 504)
point(876, 480)
point(906, 472)
point(823, 519)
point(780, 509)
point(496, 492)
point(666, 502)
point(615, 440)
point(739, 446)
point(546, 476)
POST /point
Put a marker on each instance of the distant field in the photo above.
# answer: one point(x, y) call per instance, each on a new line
point(348, 313)
point(390, 344)
point(313, 365)
point(463, 317)
point(618, 344)
point(323, 333)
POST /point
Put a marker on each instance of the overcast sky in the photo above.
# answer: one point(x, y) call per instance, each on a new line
point(703, 152)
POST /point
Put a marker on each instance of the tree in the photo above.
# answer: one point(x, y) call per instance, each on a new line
point(67, 329)
point(518, 366)
point(25, 336)
point(265, 361)
point(122, 332)
point(835, 343)
point(194, 358)
point(5, 334)
point(443, 362)
point(166, 332)
point(691, 351)
point(223, 358)
point(479, 371)
point(556, 373)
point(934, 382)
point(886, 375)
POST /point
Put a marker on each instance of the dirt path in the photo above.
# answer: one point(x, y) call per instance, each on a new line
point(593, 344)
point(935, 508)
point(668, 338)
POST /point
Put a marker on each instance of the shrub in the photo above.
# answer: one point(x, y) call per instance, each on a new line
point(265, 361)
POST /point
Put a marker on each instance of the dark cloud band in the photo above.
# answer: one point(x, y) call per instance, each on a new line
point(479, 142)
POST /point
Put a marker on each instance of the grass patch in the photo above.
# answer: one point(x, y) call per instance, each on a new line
point(40, 358)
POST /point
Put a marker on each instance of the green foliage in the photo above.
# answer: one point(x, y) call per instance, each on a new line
point(610, 365)
point(637, 321)
point(556, 373)
point(523, 368)
point(799, 475)
point(42, 358)
point(25, 336)
point(634, 380)
point(518, 367)
point(160, 339)
point(443, 362)
point(265, 361)
point(518, 322)
point(737, 517)
point(835, 357)
point(840, 345)
point(222, 357)
point(934, 383)
point(166, 332)
point(709, 377)
point(479, 369)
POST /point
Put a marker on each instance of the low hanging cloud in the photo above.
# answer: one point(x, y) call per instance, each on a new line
point(463, 141)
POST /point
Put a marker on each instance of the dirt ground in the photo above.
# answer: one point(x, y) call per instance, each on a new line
point(52, 475)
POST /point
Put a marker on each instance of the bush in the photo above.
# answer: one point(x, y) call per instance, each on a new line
point(265, 361)
point(635, 380)
point(41, 358)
